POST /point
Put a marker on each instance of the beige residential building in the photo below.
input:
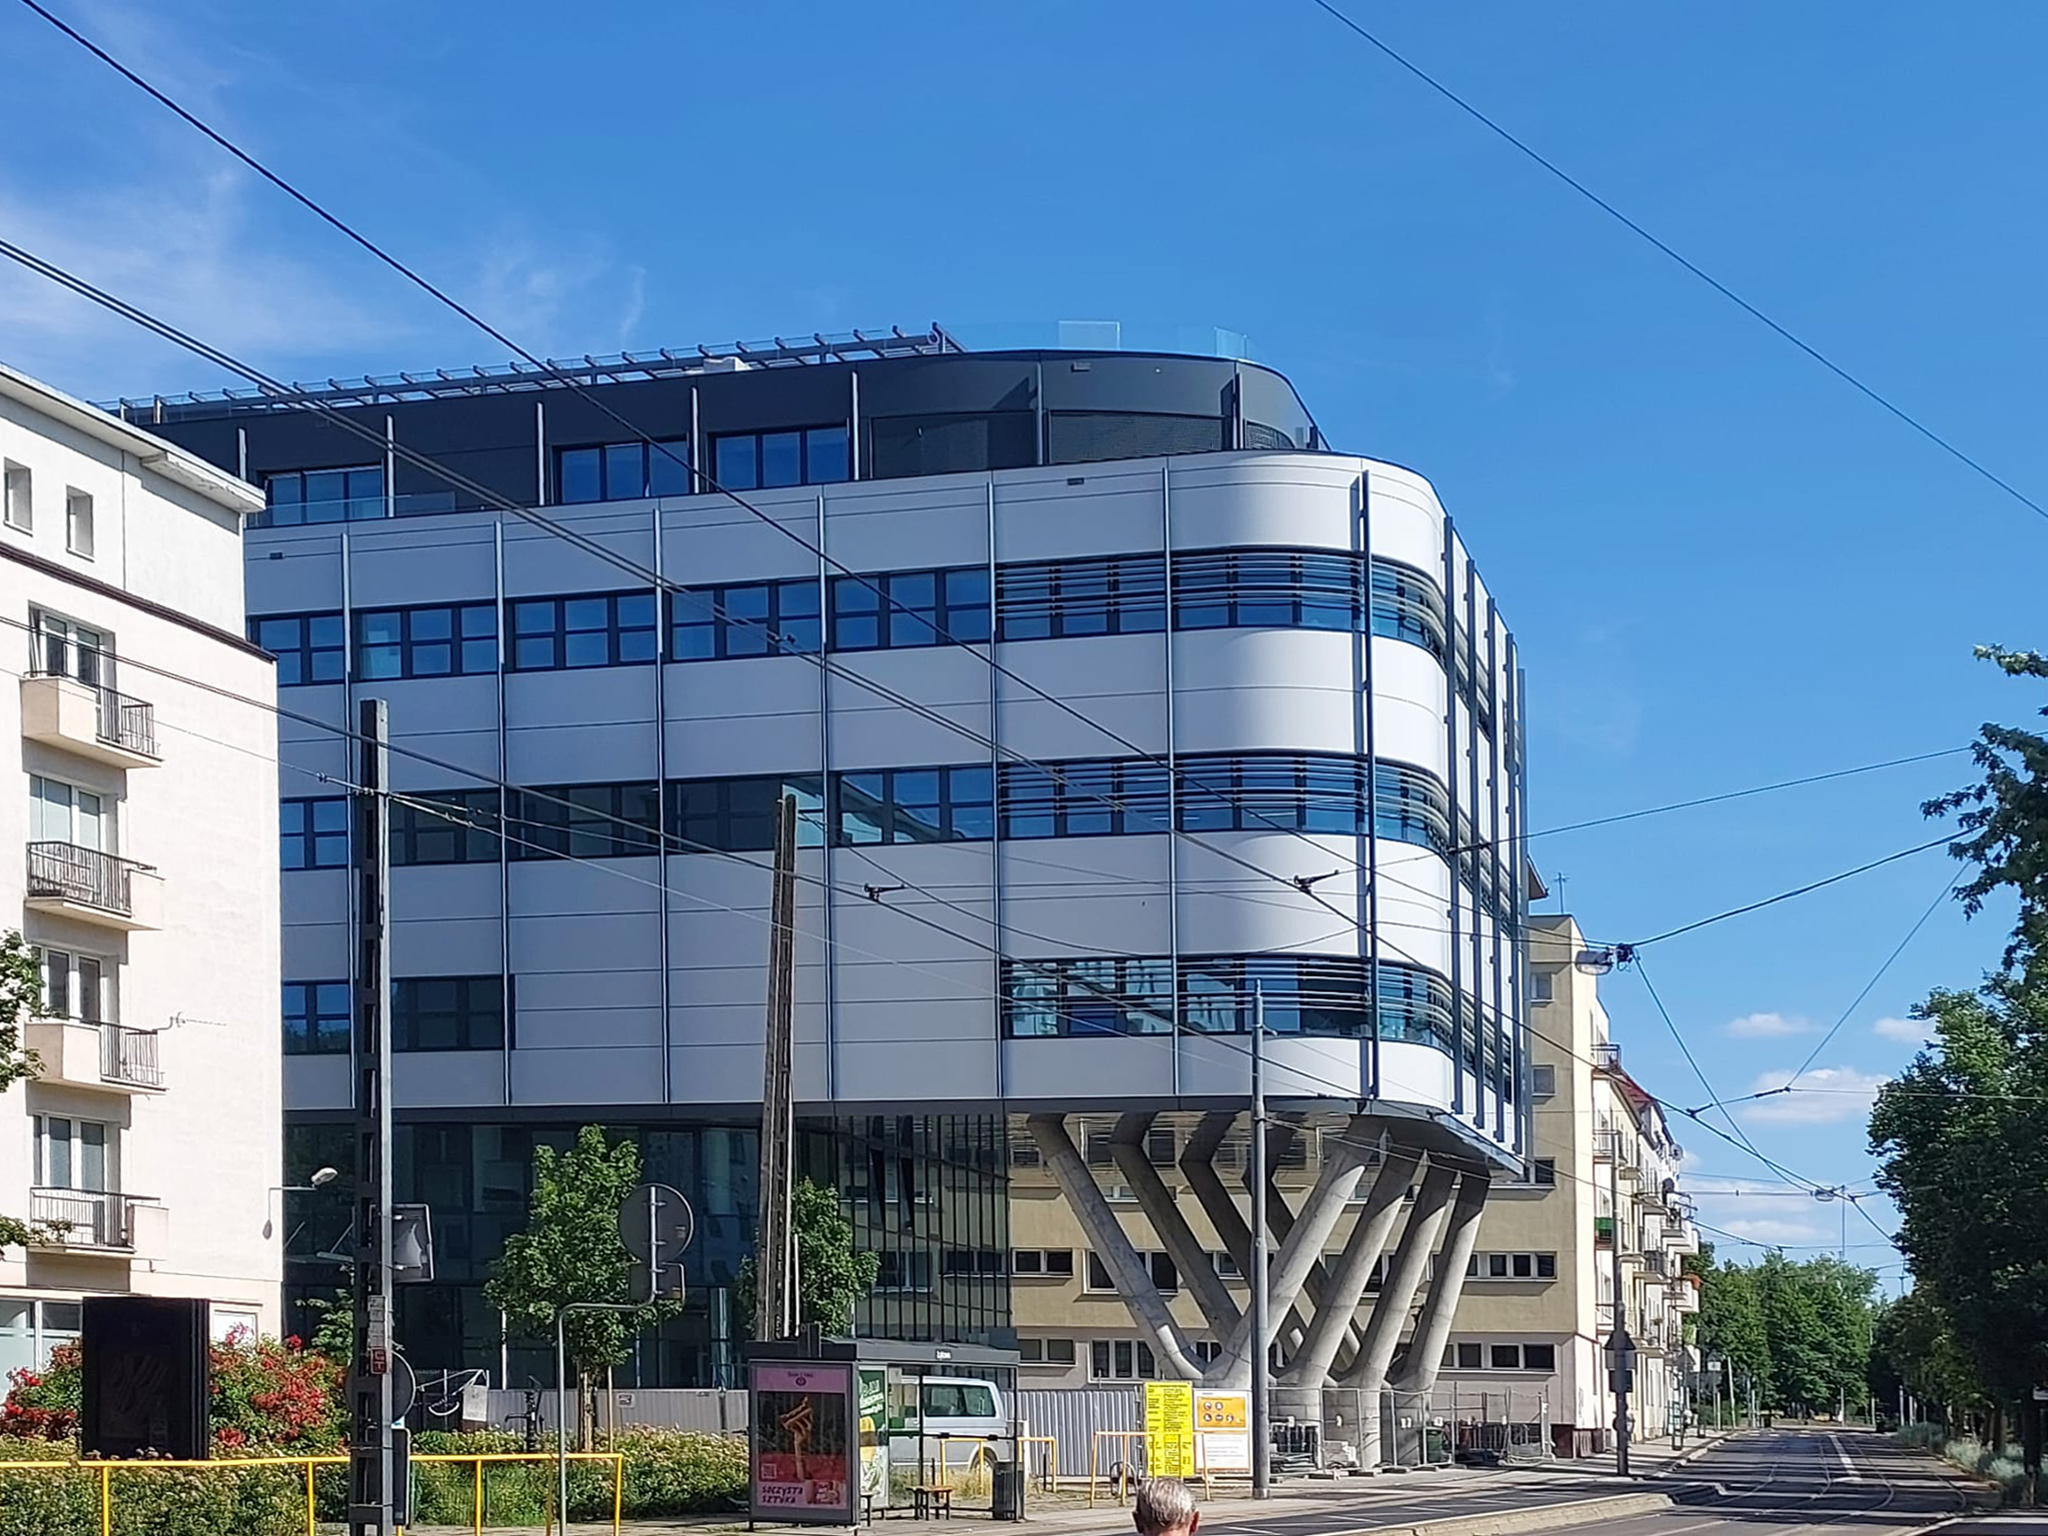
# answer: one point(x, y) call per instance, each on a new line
point(1528, 1337)
point(139, 799)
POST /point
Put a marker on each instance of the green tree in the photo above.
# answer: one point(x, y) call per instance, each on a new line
point(1914, 1346)
point(832, 1275)
point(21, 993)
point(1731, 1322)
point(570, 1252)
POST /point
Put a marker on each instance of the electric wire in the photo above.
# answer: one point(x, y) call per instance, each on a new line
point(1776, 327)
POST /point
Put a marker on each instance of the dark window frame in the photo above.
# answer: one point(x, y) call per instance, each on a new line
point(811, 442)
point(479, 1020)
point(277, 481)
point(745, 800)
point(617, 820)
point(308, 835)
point(903, 618)
point(301, 657)
point(308, 1022)
point(560, 635)
point(467, 646)
point(789, 623)
point(960, 814)
point(650, 455)
point(466, 834)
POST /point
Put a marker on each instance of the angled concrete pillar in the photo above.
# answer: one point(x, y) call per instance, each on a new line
point(1133, 1280)
point(1397, 1292)
point(1280, 1223)
point(1321, 1209)
point(1197, 1270)
point(1433, 1327)
point(1368, 1240)
point(1198, 1164)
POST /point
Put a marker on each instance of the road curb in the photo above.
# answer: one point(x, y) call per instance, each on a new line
point(1530, 1518)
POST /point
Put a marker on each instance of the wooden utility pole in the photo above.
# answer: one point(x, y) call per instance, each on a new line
point(775, 1304)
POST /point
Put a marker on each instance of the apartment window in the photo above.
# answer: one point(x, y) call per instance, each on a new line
point(1225, 1266)
point(445, 826)
point(1120, 596)
point(749, 461)
point(892, 610)
point(66, 648)
point(970, 1263)
point(1504, 1357)
point(324, 495)
point(1050, 1263)
point(904, 1271)
point(754, 619)
point(74, 1154)
point(78, 523)
point(31, 1331)
point(587, 821)
point(1121, 1360)
point(1545, 1171)
point(313, 833)
point(623, 471)
point(1088, 997)
point(1084, 799)
point(65, 813)
point(440, 641)
point(1542, 982)
point(317, 1018)
point(1081, 437)
point(448, 1013)
point(914, 805)
point(1470, 1356)
point(1158, 1265)
point(1546, 1266)
point(1539, 1357)
point(77, 986)
point(1543, 1081)
point(1512, 1266)
point(738, 815)
point(599, 629)
point(20, 497)
point(309, 647)
point(1045, 1351)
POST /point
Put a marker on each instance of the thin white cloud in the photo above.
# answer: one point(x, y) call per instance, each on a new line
point(1908, 1031)
point(1762, 1026)
point(1824, 1096)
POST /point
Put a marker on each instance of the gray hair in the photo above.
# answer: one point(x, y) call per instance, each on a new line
point(1164, 1504)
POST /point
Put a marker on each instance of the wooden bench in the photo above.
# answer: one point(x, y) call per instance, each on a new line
point(930, 1501)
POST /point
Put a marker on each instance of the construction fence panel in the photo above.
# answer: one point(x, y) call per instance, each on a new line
point(708, 1410)
point(1071, 1416)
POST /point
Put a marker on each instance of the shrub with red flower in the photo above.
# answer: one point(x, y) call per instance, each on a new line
point(268, 1395)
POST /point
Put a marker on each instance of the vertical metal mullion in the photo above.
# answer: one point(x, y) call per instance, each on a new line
point(1482, 1027)
point(1493, 848)
point(391, 468)
point(853, 424)
point(1172, 773)
point(995, 781)
point(504, 802)
point(1371, 893)
point(696, 446)
point(1516, 827)
point(541, 489)
point(826, 800)
point(1450, 670)
point(661, 661)
point(353, 757)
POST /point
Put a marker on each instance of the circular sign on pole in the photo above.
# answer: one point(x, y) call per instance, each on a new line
point(405, 1387)
point(656, 1225)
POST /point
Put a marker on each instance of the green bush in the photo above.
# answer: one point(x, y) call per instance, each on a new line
point(667, 1473)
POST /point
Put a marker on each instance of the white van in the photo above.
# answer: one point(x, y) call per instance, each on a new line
point(961, 1419)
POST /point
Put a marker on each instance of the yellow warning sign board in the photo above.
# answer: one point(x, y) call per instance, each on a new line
point(1170, 1428)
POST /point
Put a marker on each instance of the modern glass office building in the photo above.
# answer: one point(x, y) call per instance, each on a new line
point(1112, 696)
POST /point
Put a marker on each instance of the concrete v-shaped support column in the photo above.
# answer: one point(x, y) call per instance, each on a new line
point(1321, 1208)
point(1280, 1223)
point(1197, 1270)
point(1133, 1281)
point(1198, 1163)
point(1397, 1291)
point(1368, 1240)
point(1433, 1327)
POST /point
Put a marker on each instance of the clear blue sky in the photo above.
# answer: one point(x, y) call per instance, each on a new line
point(1724, 567)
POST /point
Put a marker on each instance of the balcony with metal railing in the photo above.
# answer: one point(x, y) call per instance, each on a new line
point(95, 887)
point(91, 1221)
point(97, 1055)
point(88, 719)
point(1606, 1057)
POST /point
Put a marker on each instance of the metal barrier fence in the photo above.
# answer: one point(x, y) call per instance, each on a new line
point(105, 1474)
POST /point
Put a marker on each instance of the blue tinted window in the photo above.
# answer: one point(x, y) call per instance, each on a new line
point(580, 475)
point(625, 471)
point(668, 468)
point(825, 455)
point(782, 458)
point(736, 467)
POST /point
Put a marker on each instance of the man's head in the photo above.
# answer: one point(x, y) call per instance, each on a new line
point(1166, 1507)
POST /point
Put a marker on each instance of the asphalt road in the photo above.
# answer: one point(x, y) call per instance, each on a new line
point(1777, 1481)
point(1443, 1495)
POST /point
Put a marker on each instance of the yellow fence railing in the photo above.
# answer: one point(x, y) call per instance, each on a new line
point(1124, 1467)
point(105, 1472)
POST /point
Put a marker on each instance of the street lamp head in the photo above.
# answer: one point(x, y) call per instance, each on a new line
point(322, 1177)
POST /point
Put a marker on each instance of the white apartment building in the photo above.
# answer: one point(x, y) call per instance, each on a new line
point(139, 796)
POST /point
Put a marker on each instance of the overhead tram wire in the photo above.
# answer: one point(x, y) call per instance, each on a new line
point(1779, 329)
point(1802, 890)
point(1715, 799)
point(1692, 1061)
point(1876, 976)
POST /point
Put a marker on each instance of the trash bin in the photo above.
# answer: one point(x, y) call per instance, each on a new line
point(1006, 1491)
